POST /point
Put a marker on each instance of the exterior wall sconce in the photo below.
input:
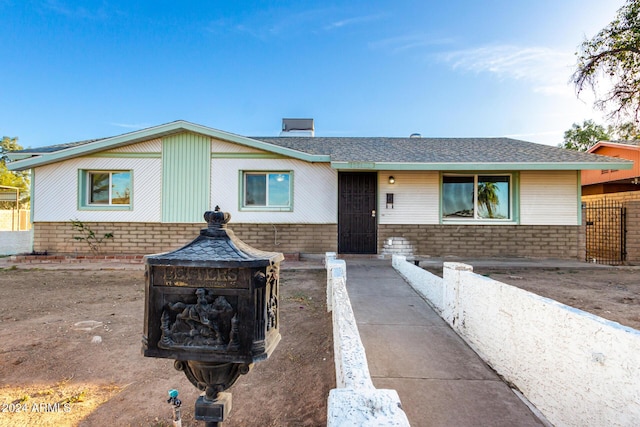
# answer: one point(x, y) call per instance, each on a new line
point(392, 180)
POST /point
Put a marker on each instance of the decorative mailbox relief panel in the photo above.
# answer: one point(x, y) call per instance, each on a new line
point(212, 314)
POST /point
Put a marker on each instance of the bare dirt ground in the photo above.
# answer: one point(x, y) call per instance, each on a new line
point(612, 293)
point(51, 373)
point(55, 370)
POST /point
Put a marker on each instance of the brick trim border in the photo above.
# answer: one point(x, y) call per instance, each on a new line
point(485, 241)
point(482, 241)
point(57, 238)
point(69, 259)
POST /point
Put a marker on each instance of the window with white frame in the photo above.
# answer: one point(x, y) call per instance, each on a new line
point(476, 197)
point(267, 190)
point(105, 189)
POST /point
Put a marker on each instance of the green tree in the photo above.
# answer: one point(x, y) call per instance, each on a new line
point(9, 178)
point(612, 58)
point(627, 132)
point(584, 136)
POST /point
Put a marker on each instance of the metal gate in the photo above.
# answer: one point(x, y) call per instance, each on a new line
point(357, 232)
point(605, 232)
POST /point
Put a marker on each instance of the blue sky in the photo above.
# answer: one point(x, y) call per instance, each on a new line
point(75, 70)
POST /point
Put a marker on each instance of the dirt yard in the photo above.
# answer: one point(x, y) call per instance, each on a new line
point(70, 351)
point(612, 293)
point(70, 354)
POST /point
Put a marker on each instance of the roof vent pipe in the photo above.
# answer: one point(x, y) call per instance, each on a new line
point(415, 135)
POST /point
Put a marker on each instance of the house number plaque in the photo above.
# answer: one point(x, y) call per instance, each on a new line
point(230, 278)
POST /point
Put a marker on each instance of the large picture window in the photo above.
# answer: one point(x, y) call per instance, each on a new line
point(476, 197)
point(266, 190)
point(105, 189)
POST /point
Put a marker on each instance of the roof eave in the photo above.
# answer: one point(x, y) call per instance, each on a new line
point(21, 156)
point(601, 144)
point(150, 133)
point(344, 165)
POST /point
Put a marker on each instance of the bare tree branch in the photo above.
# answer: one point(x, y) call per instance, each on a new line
point(613, 56)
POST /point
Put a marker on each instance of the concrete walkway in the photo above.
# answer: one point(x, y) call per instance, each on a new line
point(440, 380)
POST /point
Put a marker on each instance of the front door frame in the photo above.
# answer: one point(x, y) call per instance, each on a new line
point(357, 212)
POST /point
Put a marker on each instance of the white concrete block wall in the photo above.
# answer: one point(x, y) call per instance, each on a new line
point(452, 309)
point(355, 401)
point(576, 368)
point(428, 285)
point(16, 242)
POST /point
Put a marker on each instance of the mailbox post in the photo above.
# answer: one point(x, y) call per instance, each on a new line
point(212, 306)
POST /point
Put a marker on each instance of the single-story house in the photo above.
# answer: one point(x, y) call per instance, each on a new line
point(301, 194)
point(607, 181)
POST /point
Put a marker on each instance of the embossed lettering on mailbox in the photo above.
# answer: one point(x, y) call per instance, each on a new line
point(199, 277)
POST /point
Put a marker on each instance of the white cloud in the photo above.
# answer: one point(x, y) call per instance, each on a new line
point(266, 24)
point(408, 42)
point(73, 11)
point(353, 21)
point(547, 70)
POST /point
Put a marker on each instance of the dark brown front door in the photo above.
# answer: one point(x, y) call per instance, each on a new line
point(357, 212)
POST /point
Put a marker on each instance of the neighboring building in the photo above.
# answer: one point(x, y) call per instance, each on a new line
point(470, 197)
point(606, 181)
point(611, 199)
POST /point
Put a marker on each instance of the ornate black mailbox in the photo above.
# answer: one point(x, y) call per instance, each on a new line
point(212, 305)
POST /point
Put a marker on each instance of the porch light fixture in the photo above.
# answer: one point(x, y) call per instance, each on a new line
point(392, 180)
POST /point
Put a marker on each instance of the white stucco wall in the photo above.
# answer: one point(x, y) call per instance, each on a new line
point(549, 198)
point(314, 190)
point(545, 197)
point(416, 197)
point(55, 189)
point(56, 186)
point(576, 368)
point(150, 146)
point(219, 146)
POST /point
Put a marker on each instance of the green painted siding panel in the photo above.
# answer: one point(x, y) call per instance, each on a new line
point(186, 171)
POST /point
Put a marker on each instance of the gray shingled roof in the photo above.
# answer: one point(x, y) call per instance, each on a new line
point(56, 147)
point(433, 150)
point(407, 150)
